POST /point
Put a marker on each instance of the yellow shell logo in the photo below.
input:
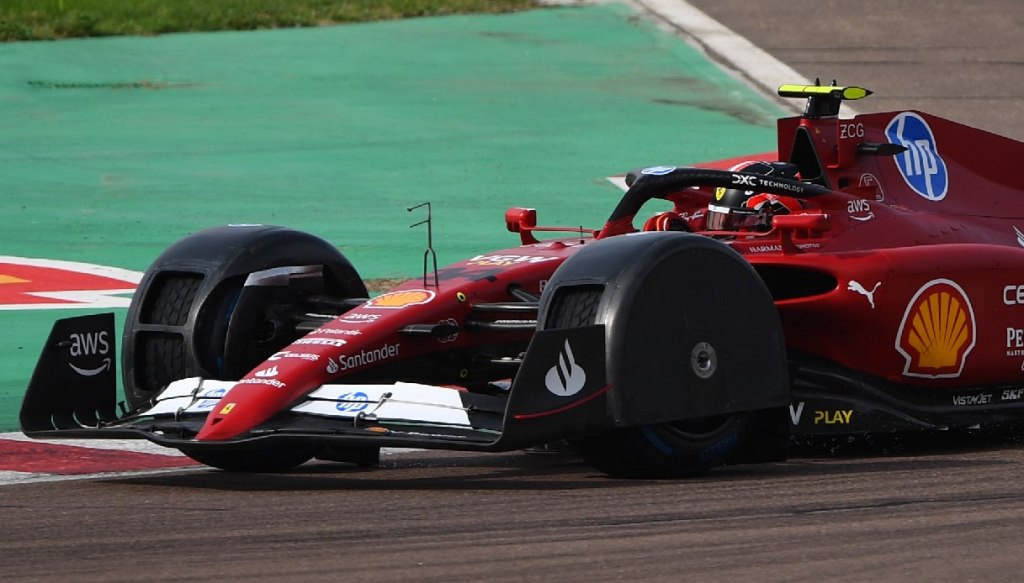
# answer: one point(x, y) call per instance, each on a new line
point(719, 193)
point(937, 332)
point(401, 299)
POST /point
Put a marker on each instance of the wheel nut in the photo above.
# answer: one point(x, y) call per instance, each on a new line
point(703, 360)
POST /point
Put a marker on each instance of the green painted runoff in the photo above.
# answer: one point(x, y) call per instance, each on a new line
point(113, 148)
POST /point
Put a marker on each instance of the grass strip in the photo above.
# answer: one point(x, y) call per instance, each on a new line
point(29, 20)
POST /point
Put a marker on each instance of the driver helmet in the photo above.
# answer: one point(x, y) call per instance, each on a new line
point(745, 210)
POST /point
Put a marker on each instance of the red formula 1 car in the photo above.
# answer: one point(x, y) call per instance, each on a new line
point(871, 282)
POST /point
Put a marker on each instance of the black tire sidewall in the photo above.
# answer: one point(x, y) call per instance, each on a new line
point(221, 257)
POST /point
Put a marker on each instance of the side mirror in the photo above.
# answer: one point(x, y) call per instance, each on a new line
point(522, 220)
point(802, 222)
point(802, 225)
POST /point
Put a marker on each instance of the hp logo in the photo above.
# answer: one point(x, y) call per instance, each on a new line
point(921, 165)
point(353, 402)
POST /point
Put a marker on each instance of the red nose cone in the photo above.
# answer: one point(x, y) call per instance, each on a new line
point(244, 407)
point(219, 425)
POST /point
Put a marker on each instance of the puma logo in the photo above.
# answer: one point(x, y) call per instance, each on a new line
point(855, 286)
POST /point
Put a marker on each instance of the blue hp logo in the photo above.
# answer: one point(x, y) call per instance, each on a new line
point(210, 398)
point(921, 165)
point(353, 402)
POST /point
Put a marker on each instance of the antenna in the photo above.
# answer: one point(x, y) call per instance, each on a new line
point(430, 242)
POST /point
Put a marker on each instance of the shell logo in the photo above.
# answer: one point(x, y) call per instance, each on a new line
point(401, 299)
point(937, 332)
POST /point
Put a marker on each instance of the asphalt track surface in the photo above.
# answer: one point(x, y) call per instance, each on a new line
point(959, 60)
point(940, 508)
point(946, 514)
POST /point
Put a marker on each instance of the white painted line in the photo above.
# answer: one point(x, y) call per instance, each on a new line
point(143, 446)
point(732, 51)
point(126, 275)
point(8, 478)
point(134, 445)
point(619, 181)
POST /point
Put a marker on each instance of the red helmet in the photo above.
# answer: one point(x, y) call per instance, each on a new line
point(735, 210)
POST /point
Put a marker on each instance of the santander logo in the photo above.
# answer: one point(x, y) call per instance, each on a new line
point(566, 378)
point(46, 284)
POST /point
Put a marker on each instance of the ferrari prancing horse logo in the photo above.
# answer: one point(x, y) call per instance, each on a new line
point(937, 332)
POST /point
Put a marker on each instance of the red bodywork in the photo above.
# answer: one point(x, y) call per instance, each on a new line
point(369, 335)
point(914, 276)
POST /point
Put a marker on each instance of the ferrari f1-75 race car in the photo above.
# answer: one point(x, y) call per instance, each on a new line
point(870, 281)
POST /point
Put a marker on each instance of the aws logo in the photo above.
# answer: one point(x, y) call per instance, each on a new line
point(937, 332)
point(36, 284)
point(90, 344)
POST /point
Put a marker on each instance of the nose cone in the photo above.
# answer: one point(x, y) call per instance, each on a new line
point(261, 394)
point(243, 408)
point(220, 425)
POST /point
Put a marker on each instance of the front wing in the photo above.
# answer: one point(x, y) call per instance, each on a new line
point(61, 402)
